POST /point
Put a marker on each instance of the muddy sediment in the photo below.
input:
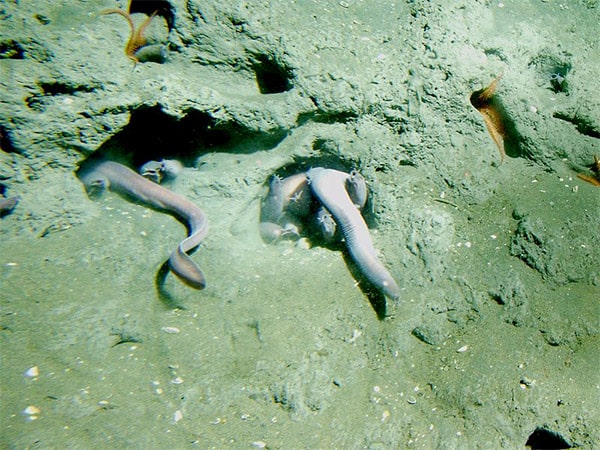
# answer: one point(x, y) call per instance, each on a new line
point(495, 336)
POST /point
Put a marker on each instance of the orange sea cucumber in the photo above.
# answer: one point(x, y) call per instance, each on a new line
point(595, 177)
point(483, 101)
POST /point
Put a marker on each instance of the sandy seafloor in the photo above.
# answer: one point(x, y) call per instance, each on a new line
point(494, 342)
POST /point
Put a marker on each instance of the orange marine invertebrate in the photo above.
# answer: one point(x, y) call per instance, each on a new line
point(495, 121)
point(595, 177)
point(136, 39)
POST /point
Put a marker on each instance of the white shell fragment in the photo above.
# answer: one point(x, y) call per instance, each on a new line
point(463, 349)
point(32, 372)
point(31, 413)
point(170, 330)
point(32, 410)
point(177, 416)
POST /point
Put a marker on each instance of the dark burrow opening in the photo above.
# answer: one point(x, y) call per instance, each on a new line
point(6, 144)
point(11, 49)
point(271, 76)
point(51, 91)
point(309, 222)
point(543, 438)
point(162, 8)
point(304, 164)
point(154, 135)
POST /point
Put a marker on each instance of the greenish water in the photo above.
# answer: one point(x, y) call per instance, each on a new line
point(495, 334)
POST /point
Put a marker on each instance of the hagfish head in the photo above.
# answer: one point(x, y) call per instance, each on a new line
point(356, 186)
point(326, 224)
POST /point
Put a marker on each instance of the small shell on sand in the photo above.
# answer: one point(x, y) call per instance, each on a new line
point(32, 372)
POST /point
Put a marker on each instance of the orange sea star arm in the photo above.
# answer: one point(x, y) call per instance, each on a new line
point(136, 38)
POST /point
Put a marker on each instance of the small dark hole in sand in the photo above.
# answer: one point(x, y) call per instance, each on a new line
point(162, 8)
point(11, 49)
point(153, 134)
point(271, 77)
point(542, 438)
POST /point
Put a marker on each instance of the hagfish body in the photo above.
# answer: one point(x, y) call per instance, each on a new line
point(97, 175)
point(287, 196)
point(330, 187)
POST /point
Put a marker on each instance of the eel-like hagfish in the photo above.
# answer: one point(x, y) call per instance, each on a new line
point(99, 175)
point(329, 186)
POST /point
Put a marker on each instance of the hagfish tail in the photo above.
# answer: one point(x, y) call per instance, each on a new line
point(118, 178)
point(329, 186)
